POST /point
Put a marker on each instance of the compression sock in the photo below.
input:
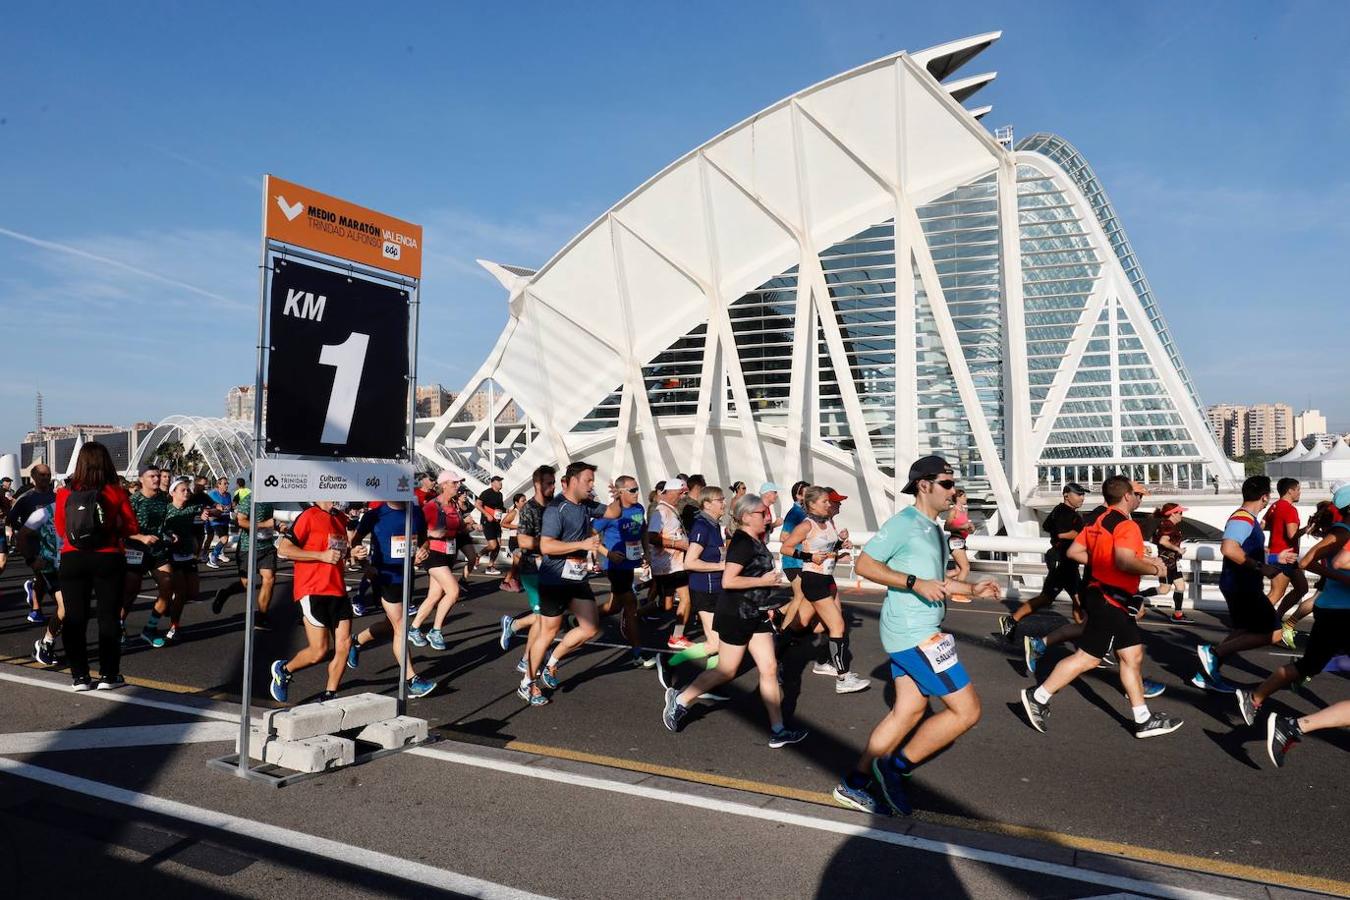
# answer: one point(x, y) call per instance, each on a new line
point(837, 653)
point(1151, 592)
point(1177, 597)
point(152, 624)
point(1140, 713)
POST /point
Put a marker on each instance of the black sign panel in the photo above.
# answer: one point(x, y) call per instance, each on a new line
point(337, 371)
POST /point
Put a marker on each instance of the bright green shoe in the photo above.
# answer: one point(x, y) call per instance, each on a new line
point(1288, 635)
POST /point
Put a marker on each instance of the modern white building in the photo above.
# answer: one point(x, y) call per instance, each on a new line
point(856, 276)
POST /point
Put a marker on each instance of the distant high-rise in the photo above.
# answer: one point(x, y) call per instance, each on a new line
point(1270, 427)
point(239, 402)
point(1309, 422)
point(1229, 424)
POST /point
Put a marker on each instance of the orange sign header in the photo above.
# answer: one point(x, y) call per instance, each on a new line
point(307, 218)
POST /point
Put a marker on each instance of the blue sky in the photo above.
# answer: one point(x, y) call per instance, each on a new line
point(133, 137)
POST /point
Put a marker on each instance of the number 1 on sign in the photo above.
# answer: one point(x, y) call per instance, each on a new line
point(348, 359)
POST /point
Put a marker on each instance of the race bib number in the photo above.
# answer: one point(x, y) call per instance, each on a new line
point(941, 652)
point(438, 546)
point(957, 543)
point(135, 557)
point(633, 550)
point(827, 567)
point(337, 543)
point(575, 569)
point(398, 547)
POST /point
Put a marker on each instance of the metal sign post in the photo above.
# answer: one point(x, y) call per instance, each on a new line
point(330, 430)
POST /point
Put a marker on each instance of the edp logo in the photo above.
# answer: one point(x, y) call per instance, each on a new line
point(392, 250)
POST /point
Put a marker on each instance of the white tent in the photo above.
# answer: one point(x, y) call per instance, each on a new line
point(1287, 464)
point(1334, 465)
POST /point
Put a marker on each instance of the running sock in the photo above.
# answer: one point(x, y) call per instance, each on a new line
point(857, 780)
point(1177, 597)
point(1140, 713)
point(1042, 696)
point(776, 729)
point(153, 622)
point(1149, 592)
point(901, 763)
point(552, 662)
point(679, 630)
point(525, 681)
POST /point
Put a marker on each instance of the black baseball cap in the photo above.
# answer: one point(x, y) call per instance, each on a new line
point(1074, 487)
point(926, 467)
point(495, 478)
point(147, 467)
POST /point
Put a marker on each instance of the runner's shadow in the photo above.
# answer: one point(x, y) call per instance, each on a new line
point(1234, 744)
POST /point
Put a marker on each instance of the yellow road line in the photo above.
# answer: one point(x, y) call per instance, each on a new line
point(1076, 842)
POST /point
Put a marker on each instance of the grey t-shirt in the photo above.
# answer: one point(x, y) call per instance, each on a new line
point(569, 522)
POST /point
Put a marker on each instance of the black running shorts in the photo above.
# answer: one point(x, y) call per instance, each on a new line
point(556, 599)
point(1108, 626)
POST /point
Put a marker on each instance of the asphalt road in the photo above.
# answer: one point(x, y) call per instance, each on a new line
point(1206, 793)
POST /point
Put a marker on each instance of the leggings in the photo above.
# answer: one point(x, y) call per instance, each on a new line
point(86, 576)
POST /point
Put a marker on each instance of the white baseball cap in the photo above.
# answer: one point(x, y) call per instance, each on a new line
point(449, 476)
point(674, 483)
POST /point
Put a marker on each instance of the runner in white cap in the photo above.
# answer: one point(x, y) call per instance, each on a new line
point(668, 542)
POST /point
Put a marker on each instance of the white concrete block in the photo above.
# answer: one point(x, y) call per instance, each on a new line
point(394, 733)
point(305, 721)
point(361, 710)
point(312, 754)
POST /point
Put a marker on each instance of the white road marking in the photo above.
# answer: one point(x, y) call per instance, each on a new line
point(123, 696)
point(133, 736)
point(348, 854)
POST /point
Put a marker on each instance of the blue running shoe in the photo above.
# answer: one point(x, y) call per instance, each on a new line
point(892, 787)
point(420, 687)
point(854, 798)
point(1153, 688)
point(436, 639)
point(358, 609)
point(30, 591)
point(416, 637)
point(525, 693)
point(281, 681)
point(1033, 649)
point(1209, 663)
point(36, 617)
point(549, 679)
point(1199, 680)
point(504, 639)
point(354, 656)
point(1222, 685)
point(523, 666)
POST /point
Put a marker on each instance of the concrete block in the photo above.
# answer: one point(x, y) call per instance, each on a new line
point(305, 721)
point(393, 733)
point(361, 710)
point(312, 754)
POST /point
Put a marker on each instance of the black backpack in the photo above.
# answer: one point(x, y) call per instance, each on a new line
point(88, 525)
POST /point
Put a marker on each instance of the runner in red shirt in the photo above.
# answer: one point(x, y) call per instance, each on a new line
point(317, 544)
point(1282, 524)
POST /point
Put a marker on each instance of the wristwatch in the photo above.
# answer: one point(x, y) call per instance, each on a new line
point(909, 582)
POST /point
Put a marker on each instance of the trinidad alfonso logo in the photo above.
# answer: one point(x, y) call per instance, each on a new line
point(290, 210)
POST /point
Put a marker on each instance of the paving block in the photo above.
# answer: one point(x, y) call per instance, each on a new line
point(305, 721)
point(312, 754)
point(394, 733)
point(361, 710)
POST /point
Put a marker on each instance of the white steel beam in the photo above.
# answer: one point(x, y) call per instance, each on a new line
point(1073, 357)
point(1016, 383)
point(906, 339)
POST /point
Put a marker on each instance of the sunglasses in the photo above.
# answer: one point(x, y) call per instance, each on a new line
point(946, 483)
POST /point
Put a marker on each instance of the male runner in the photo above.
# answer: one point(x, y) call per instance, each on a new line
point(148, 552)
point(30, 501)
point(267, 561)
point(667, 542)
point(1282, 523)
point(691, 504)
point(909, 556)
point(528, 526)
point(1113, 546)
point(218, 525)
point(1063, 525)
point(565, 538)
point(622, 540)
point(492, 506)
point(1254, 622)
point(317, 543)
point(38, 541)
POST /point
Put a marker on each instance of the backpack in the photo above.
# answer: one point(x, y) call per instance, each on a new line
point(88, 525)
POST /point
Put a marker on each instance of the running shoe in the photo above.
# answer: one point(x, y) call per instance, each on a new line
point(354, 655)
point(326, 696)
point(892, 787)
point(416, 637)
point(851, 683)
point(492, 570)
point(1109, 660)
point(420, 687)
point(153, 638)
point(1006, 627)
point(526, 693)
point(673, 714)
point(523, 666)
point(170, 637)
point(412, 610)
point(784, 736)
point(504, 639)
point(1289, 635)
point(640, 660)
point(211, 563)
point(549, 679)
point(436, 639)
point(1180, 618)
point(1153, 688)
point(854, 798)
point(218, 602)
point(679, 642)
point(36, 617)
point(358, 609)
point(1036, 712)
point(81, 683)
point(824, 669)
point(30, 592)
point(1209, 663)
point(1246, 705)
point(281, 681)
point(511, 586)
point(1158, 724)
point(44, 653)
point(1033, 648)
point(1282, 734)
point(1220, 684)
point(111, 682)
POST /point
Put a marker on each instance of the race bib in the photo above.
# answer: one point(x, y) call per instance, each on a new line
point(574, 569)
point(957, 543)
point(941, 652)
point(633, 550)
point(135, 557)
point(438, 545)
point(827, 567)
point(398, 547)
point(337, 543)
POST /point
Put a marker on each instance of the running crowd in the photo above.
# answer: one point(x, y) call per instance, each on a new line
point(701, 559)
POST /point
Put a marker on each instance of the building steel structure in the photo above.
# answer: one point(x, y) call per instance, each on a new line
point(854, 277)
